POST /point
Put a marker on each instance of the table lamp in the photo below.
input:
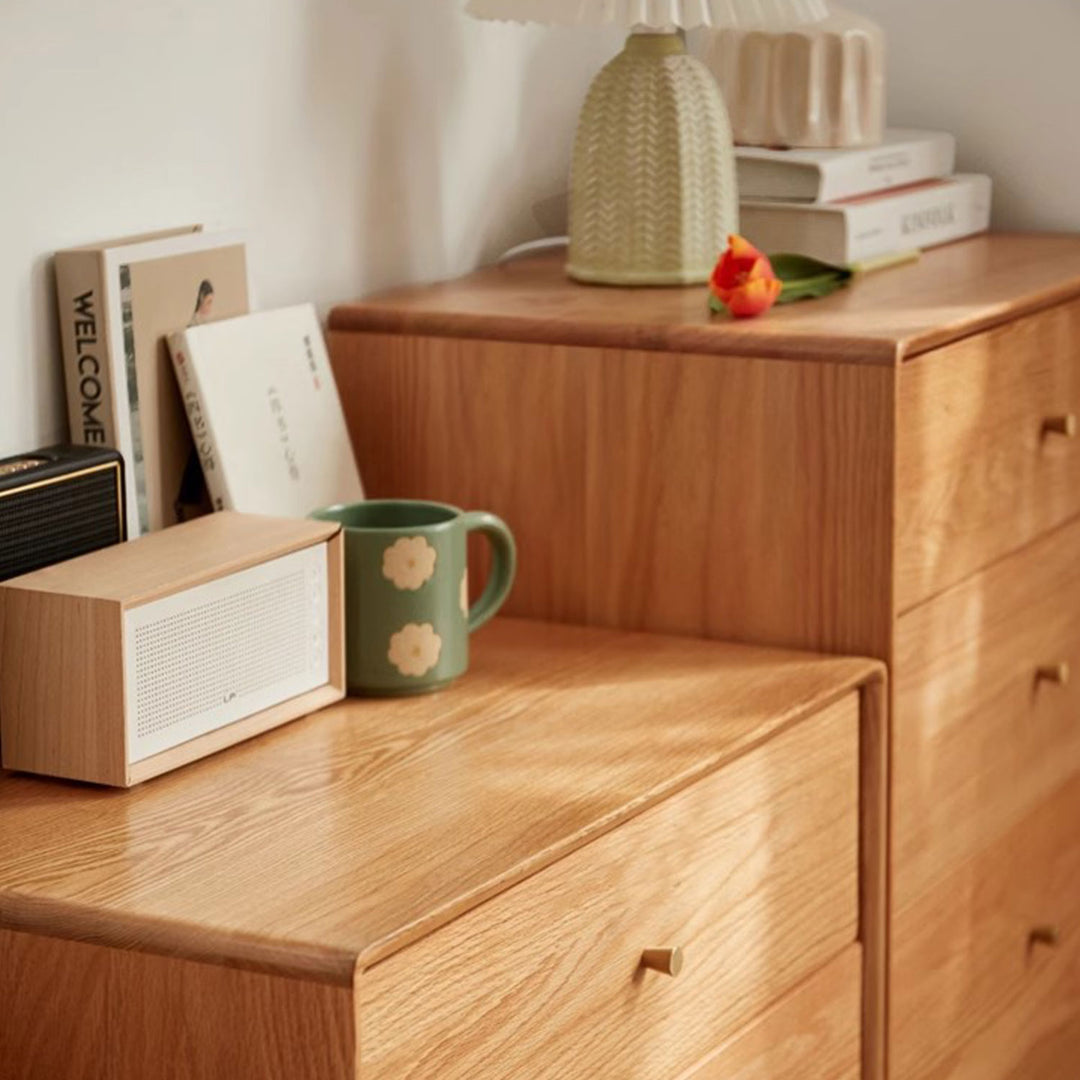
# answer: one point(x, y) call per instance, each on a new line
point(652, 190)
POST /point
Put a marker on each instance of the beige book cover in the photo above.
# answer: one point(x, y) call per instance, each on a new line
point(157, 297)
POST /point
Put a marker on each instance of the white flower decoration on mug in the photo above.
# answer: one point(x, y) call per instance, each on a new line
point(415, 648)
point(463, 597)
point(409, 562)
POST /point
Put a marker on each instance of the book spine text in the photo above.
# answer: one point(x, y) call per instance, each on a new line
point(80, 290)
point(195, 406)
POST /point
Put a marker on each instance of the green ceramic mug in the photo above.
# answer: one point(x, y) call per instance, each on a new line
point(407, 614)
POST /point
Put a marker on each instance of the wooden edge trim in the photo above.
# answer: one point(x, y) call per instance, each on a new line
point(335, 559)
point(874, 880)
point(66, 920)
point(1000, 315)
point(221, 738)
point(371, 319)
point(322, 535)
point(869, 672)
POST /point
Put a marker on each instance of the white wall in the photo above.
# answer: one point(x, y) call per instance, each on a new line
point(1004, 75)
point(360, 143)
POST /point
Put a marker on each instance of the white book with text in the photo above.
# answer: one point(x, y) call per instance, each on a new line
point(855, 230)
point(905, 156)
point(265, 413)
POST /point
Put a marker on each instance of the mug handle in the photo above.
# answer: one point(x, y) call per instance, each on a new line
point(503, 566)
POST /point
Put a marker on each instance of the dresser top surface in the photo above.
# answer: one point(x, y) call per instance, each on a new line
point(338, 839)
point(882, 317)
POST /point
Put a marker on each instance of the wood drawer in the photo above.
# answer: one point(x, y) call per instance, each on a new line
point(813, 1034)
point(976, 475)
point(981, 740)
point(752, 871)
point(962, 955)
point(1035, 1038)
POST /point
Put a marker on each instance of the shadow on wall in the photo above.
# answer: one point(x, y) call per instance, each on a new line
point(458, 129)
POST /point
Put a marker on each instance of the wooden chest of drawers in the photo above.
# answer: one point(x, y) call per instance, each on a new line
point(892, 471)
point(474, 884)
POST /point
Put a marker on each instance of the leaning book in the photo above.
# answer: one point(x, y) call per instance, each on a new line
point(265, 413)
point(118, 300)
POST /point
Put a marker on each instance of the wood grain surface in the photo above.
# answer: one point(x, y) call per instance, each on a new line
point(875, 874)
point(309, 848)
point(981, 741)
point(165, 562)
point(739, 499)
point(811, 1034)
point(62, 658)
point(753, 872)
point(977, 477)
point(72, 1011)
point(1035, 1038)
point(961, 953)
point(951, 292)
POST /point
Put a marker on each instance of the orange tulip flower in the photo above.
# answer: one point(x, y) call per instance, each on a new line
point(743, 280)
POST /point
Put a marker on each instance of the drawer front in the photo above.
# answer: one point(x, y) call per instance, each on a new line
point(981, 739)
point(813, 1034)
point(752, 872)
point(1035, 1038)
point(977, 473)
point(964, 954)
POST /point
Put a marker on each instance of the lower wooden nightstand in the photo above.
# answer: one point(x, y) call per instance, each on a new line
point(599, 854)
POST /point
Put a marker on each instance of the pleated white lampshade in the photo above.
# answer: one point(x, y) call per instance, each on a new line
point(652, 191)
point(658, 14)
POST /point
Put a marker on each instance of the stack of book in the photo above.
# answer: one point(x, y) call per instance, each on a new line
point(243, 415)
point(848, 207)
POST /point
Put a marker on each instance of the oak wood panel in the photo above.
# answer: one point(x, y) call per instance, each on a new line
point(961, 953)
point(976, 475)
point(82, 1012)
point(951, 292)
point(731, 498)
point(312, 846)
point(62, 657)
point(980, 740)
point(1035, 1038)
point(812, 1034)
point(874, 874)
point(170, 560)
point(753, 872)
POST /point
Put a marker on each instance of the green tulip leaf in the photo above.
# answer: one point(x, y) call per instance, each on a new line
point(804, 278)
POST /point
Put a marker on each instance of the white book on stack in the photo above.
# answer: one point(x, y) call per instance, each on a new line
point(906, 156)
point(265, 413)
point(856, 230)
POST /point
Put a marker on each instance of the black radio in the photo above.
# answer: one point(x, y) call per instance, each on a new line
point(57, 503)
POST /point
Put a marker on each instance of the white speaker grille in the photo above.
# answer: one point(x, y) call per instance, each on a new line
point(212, 655)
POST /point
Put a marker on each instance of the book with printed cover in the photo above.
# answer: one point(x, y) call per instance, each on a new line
point(858, 230)
point(118, 300)
point(265, 414)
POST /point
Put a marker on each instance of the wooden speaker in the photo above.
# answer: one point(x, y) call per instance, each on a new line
point(136, 659)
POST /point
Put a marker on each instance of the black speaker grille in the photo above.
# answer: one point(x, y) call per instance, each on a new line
point(43, 525)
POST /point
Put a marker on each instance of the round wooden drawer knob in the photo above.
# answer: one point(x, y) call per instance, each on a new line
point(1061, 425)
point(1054, 673)
point(666, 961)
point(1045, 935)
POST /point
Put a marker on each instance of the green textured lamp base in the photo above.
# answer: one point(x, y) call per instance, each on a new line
point(587, 275)
point(653, 194)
